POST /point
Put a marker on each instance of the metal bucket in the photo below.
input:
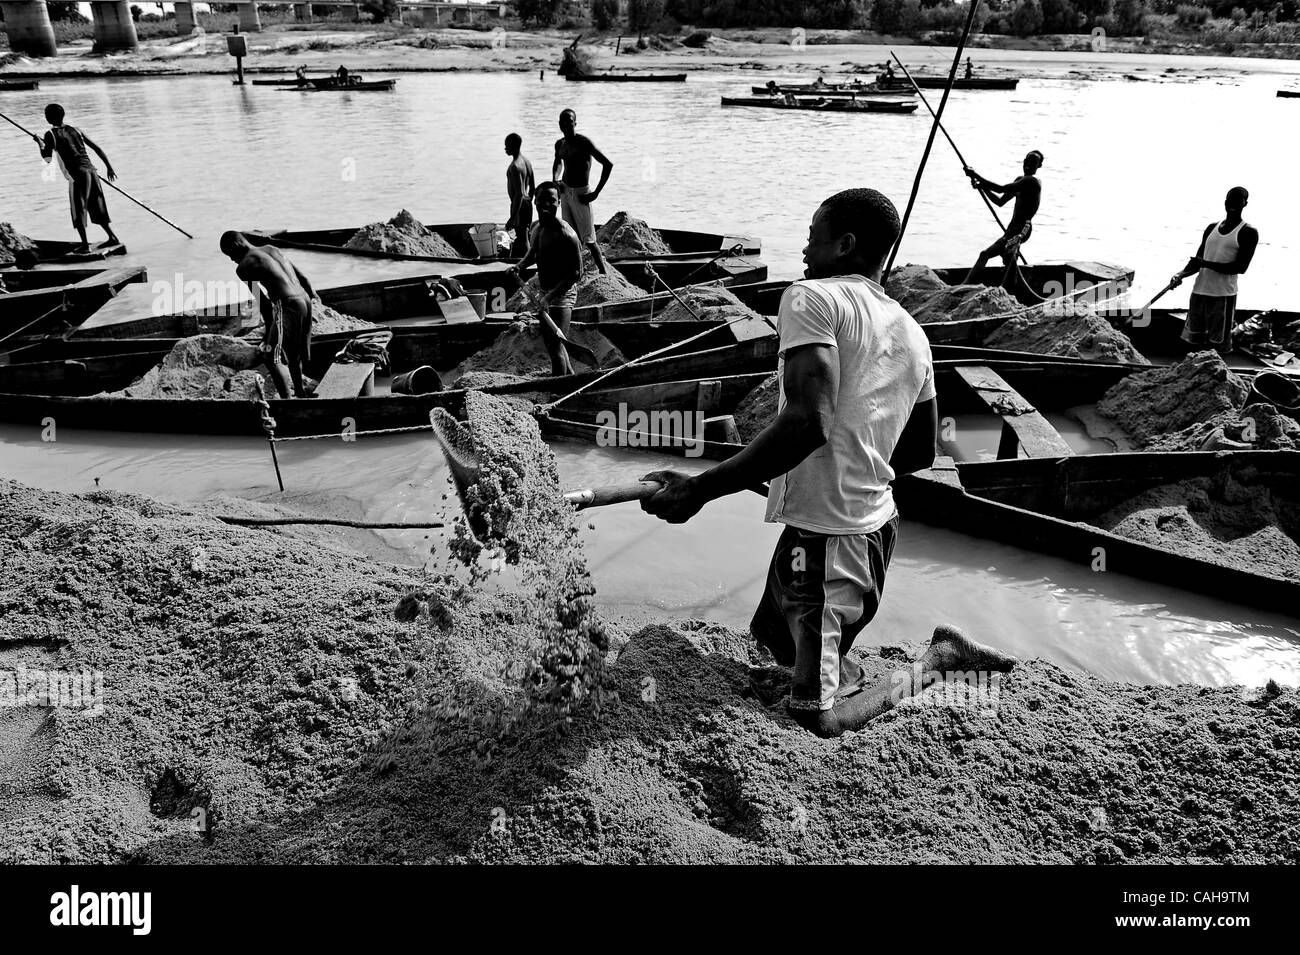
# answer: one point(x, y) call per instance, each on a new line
point(421, 381)
point(1277, 389)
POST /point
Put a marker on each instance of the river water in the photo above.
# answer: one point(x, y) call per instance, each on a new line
point(1134, 170)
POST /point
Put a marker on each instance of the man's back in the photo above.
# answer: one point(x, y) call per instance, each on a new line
point(1029, 194)
point(70, 145)
point(885, 370)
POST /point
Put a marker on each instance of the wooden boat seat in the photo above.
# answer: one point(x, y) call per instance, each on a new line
point(347, 380)
point(1023, 426)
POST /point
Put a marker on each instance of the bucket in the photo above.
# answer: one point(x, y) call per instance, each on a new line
point(1279, 390)
point(422, 381)
point(484, 236)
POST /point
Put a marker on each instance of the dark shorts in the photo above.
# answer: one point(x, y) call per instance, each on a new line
point(86, 196)
point(1008, 245)
point(822, 591)
point(1209, 321)
point(288, 329)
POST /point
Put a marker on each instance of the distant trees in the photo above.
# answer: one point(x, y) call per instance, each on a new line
point(539, 12)
point(644, 15)
point(603, 13)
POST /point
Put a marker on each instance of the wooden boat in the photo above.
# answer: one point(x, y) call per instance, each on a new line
point(826, 106)
point(330, 84)
point(940, 82)
point(1289, 94)
point(836, 92)
point(39, 301)
point(288, 81)
point(69, 392)
point(18, 86)
point(59, 252)
point(695, 256)
point(627, 78)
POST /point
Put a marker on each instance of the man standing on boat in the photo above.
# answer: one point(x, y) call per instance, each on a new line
point(555, 248)
point(857, 409)
point(285, 304)
point(1224, 253)
point(519, 186)
point(573, 155)
point(1028, 193)
point(85, 192)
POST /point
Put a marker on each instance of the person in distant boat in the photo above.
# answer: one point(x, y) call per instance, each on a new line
point(820, 83)
point(773, 90)
point(85, 191)
point(857, 409)
point(342, 77)
point(970, 68)
point(519, 187)
point(889, 73)
point(300, 74)
point(1225, 252)
point(573, 156)
point(556, 249)
point(285, 303)
point(1028, 193)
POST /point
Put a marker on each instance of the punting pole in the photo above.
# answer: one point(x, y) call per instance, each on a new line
point(960, 158)
point(112, 186)
point(929, 143)
point(268, 425)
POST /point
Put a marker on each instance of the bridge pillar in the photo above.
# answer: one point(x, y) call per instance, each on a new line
point(29, 28)
point(432, 16)
point(185, 19)
point(114, 28)
point(302, 12)
point(249, 21)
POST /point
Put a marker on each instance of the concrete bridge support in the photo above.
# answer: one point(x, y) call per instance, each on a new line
point(29, 28)
point(185, 18)
point(302, 12)
point(249, 20)
point(114, 28)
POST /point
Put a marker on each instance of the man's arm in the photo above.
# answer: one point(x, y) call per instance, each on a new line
point(811, 383)
point(558, 165)
point(606, 167)
point(47, 146)
point(108, 166)
point(915, 448)
point(303, 280)
point(1247, 242)
point(1194, 263)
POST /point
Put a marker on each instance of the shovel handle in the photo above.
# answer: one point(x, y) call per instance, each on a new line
point(612, 494)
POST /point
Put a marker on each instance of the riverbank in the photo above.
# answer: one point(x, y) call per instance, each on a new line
point(396, 49)
point(262, 702)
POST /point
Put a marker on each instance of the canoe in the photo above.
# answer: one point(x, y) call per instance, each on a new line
point(627, 78)
point(899, 84)
point(59, 252)
point(39, 301)
point(332, 85)
point(847, 90)
point(18, 86)
point(296, 417)
point(1289, 94)
point(829, 106)
point(695, 256)
point(289, 81)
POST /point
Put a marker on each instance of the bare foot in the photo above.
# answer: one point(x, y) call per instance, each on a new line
point(950, 649)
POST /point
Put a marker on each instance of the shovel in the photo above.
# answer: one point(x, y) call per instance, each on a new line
point(543, 315)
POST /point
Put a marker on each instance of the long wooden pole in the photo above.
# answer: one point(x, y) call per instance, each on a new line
point(960, 158)
point(929, 143)
point(111, 186)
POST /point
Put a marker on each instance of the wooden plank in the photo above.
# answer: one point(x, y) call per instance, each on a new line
point(346, 380)
point(458, 311)
point(1023, 425)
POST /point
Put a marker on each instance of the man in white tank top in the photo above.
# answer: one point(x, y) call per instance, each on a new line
point(1224, 253)
point(857, 409)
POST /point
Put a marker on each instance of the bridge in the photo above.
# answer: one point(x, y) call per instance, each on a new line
point(30, 32)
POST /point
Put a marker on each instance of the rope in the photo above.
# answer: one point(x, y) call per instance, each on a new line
point(355, 434)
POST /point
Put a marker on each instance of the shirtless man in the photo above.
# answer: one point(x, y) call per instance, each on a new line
point(554, 247)
point(285, 302)
point(519, 186)
point(573, 154)
point(1028, 193)
point(1225, 252)
point(85, 193)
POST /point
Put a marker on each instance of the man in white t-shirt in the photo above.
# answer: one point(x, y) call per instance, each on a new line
point(857, 409)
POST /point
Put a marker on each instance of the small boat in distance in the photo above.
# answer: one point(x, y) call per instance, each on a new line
point(18, 86)
point(1289, 94)
point(332, 84)
point(810, 104)
point(627, 78)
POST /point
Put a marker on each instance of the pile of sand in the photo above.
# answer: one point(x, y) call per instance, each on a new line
point(324, 321)
point(520, 352)
point(626, 237)
point(1078, 334)
point(758, 409)
point(1257, 427)
point(712, 302)
point(1149, 405)
point(929, 298)
point(203, 366)
point(268, 684)
point(12, 241)
point(1236, 520)
point(593, 289)
point(405, 235)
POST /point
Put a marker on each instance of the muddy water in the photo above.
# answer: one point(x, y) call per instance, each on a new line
point(713, 567)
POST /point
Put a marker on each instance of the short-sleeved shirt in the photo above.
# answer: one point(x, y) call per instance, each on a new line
point(886, 369)
point(70, 146)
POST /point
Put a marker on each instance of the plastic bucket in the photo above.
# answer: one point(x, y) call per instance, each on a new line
point(484, 236)
point(421, 381)
point(1279, 390)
